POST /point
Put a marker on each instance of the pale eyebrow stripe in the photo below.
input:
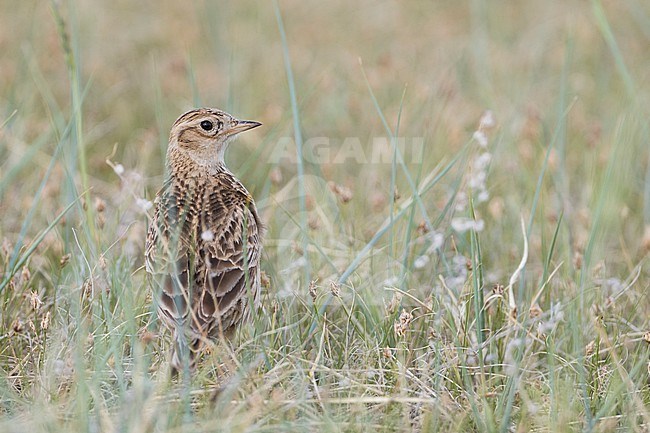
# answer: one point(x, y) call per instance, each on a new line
point(190, 115)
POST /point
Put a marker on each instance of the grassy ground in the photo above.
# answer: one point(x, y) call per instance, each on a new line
point(388, 302)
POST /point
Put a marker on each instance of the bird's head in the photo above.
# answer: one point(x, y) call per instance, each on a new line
point(204, 134)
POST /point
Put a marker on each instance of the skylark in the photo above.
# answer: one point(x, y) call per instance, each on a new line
point(204, 243)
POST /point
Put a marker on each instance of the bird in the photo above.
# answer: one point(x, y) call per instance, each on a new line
point(204, 241)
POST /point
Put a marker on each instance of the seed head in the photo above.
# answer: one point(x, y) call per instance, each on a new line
point(402, 324)
point(335, 288)
point(312, 290)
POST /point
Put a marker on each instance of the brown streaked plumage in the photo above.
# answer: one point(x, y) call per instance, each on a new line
point(204, 243)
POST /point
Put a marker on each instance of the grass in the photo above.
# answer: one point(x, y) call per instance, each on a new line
point(388, 306)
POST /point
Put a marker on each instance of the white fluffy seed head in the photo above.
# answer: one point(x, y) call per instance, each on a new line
point(207, 235)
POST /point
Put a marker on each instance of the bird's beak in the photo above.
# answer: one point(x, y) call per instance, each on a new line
point(241, 126)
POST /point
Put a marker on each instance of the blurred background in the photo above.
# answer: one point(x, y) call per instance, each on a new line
point(551, 74)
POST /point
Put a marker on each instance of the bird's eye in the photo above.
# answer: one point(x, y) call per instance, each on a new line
point(207, 125)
